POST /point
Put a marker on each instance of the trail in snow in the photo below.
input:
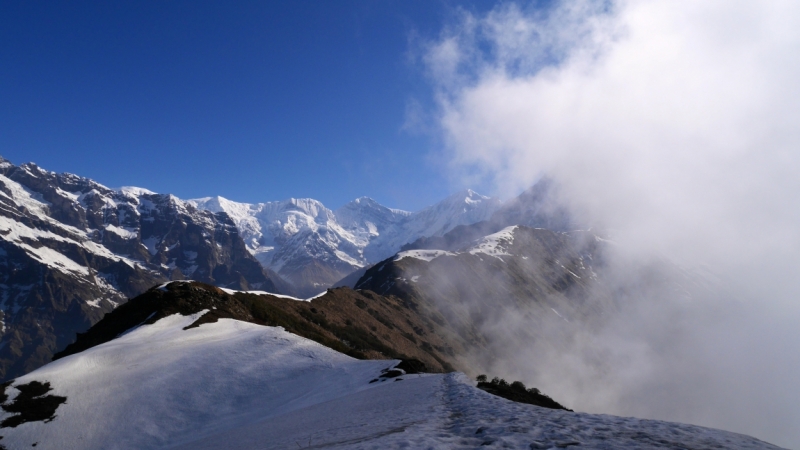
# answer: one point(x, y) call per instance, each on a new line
point(446, 411)
point(237, 385)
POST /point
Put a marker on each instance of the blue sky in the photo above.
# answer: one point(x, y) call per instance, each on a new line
point(254, 101)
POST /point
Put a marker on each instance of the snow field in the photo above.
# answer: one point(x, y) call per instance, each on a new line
point(160, 385)
point(236, 385)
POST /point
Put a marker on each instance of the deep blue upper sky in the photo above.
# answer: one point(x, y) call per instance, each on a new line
point(254, 101)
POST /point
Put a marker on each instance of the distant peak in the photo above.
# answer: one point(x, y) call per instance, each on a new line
point(32, 167)
point(365, 201)
point(360, 203)
point(133, 190)
point(220, 199)
point(467, 195)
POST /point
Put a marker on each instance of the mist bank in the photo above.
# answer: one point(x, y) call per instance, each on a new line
point(673, 126)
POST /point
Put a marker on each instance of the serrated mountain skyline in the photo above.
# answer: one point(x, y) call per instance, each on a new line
point(312, 247)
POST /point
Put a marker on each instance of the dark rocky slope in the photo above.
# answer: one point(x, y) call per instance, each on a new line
point(361, 324)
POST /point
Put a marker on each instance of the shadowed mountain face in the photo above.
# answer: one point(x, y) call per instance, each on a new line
point(537, 207)
point(72, 249)
point(540, 285)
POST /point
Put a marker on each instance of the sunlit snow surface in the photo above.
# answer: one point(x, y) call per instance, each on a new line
point(424, 255)
point(495, 244)
point(232, 292)
point(236, 385)
point(359, 233)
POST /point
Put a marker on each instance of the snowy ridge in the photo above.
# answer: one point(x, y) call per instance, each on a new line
point(236, 385)
point(171, 385)
point(423, 255)
point(496, 244)
point(126, 212)
point(231, 291)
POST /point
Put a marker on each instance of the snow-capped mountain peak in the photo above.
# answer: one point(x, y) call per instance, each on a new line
point(134, 191)
point(313, 246)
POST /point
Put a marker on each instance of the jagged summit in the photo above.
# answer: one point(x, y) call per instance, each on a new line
point(312, 246)
point(364, 204)
point(134, 191)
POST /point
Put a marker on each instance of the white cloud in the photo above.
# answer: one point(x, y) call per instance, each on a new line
point(677, 125)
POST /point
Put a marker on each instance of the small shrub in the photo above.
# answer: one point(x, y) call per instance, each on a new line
point(516, 392)
point(518, 386)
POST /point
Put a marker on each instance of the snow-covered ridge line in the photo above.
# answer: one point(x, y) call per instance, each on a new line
point(237, 385)
point(163, 287)
point(289, 297)
point(424, 255)
point(359, 233)
point(496, 244)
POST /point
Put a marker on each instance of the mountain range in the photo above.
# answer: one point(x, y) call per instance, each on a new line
point(313, 247)
point(73, 249)
point(177, 324)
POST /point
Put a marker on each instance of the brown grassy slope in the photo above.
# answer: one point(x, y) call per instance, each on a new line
point(361, 324)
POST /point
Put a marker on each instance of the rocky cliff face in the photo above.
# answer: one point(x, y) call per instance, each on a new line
point(71, 250)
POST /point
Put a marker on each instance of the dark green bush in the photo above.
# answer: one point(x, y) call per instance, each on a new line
point(516, 392)
point(518, 386)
